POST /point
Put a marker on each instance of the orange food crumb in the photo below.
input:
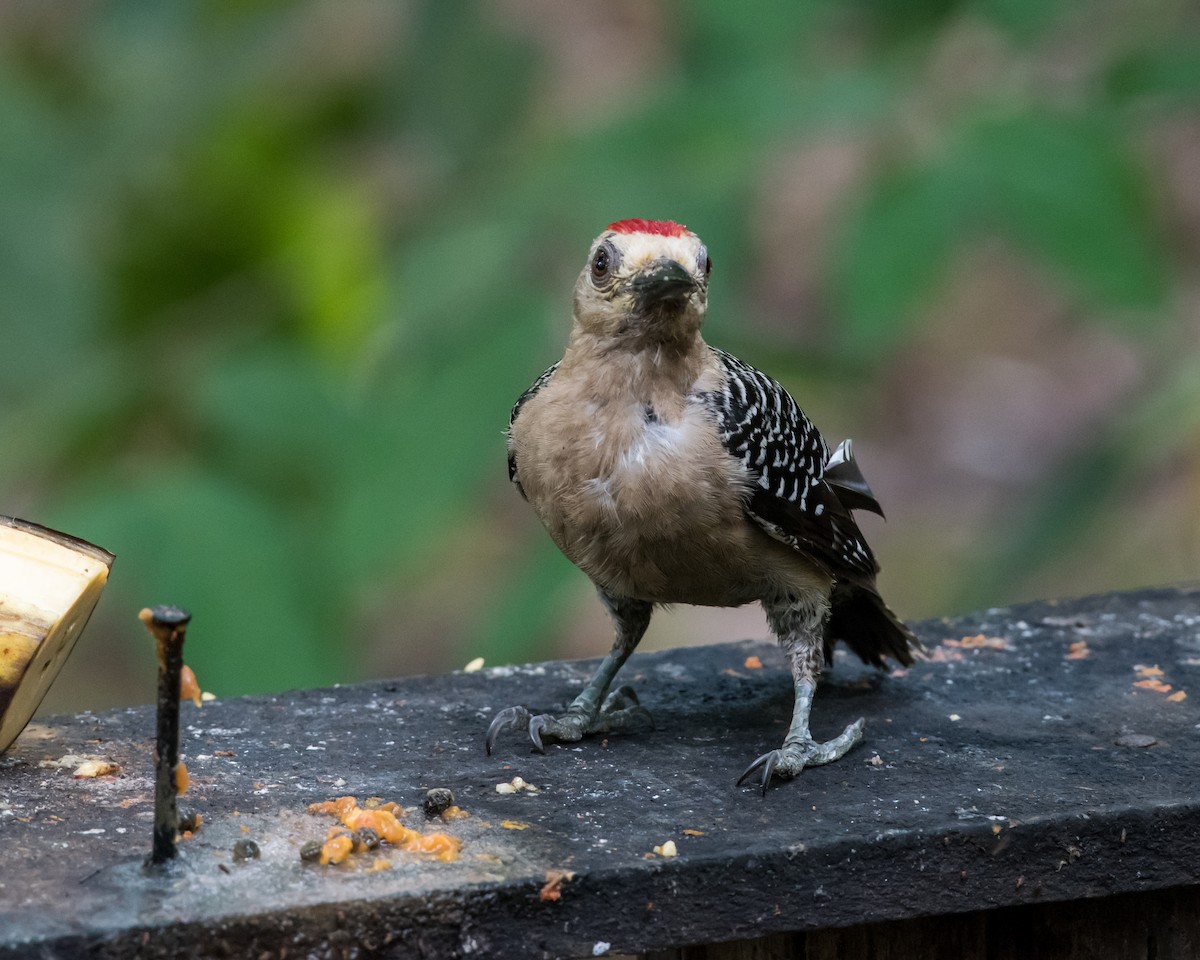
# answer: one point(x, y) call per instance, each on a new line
point(454, 813)
point(189, 689)
point(552, 888)
point(181, 777)
point(383, 820)
point(693, 833)
point(1156, 685)
point(1078, 650)
point(1148, 672)
point(338, 807)
point(1178, 696)
point(979, 641)
point(753, 663)
point(336, 849)
point(514, 825)
point(440, 846)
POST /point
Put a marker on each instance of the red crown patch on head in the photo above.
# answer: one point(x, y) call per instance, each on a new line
point(664, 228)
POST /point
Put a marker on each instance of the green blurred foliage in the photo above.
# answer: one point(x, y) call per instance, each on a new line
point(274, 272)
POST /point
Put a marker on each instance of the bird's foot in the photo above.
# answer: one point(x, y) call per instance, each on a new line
point(619, 712)
point(795, 755)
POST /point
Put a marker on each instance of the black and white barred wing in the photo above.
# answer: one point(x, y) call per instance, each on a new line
point(524, 398)
point(802, 495)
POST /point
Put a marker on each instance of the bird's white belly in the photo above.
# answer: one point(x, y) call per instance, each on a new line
point(664, 521)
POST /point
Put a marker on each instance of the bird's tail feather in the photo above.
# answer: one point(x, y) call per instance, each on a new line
point(869, 628)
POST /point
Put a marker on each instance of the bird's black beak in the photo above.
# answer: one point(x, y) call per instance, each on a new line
point(662, 282)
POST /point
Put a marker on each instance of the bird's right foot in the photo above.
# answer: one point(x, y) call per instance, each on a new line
point(620, 712)
point(798, 753)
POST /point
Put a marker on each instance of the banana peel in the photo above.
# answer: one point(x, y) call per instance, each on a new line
point(49, 585)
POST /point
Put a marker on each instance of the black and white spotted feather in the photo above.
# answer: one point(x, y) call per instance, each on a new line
point(801, 497)
point(524, 398)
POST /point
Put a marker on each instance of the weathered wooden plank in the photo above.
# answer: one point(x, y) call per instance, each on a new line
point(999, 783)
point(1156, 925)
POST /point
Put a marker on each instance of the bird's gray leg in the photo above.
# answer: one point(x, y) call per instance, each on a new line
point(591, 711)
point(799, 625)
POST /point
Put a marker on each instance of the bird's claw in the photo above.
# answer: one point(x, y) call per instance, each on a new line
point(767, 763)
point(537, 726)
point(619, 712)
point(510, 718)
point(790, 759)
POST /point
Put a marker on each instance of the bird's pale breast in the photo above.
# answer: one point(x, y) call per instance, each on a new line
point(645, 500)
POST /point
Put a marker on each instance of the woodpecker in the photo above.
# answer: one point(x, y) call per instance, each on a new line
point(670, 471)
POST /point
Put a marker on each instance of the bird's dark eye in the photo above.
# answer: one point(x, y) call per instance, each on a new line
point(707, 266)
point(603, 263)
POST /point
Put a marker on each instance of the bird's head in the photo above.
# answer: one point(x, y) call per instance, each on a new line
point(645, 281)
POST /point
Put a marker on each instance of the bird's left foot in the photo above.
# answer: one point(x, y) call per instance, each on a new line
point(619, 712)
point(795, 755)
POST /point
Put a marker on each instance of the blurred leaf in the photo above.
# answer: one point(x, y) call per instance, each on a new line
point(194, 540)
point(273, 419)
point(71, 416)
point(895, 251)
point(445, 93)
point(425, 441)
point(52, 296)
point(1066, 192)
point(1023, 18)
point(446, 281)
point(1154, 431)
point(1058, 188)
point(330, 264)
point(1169, 73)
point(535, 597)
point(845, 98)
point(903, 20)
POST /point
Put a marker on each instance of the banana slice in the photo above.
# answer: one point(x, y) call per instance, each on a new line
point(49, 585)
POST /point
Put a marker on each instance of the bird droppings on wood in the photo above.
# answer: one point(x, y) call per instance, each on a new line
point(870, 837)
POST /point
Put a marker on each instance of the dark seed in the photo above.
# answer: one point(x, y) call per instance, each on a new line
point(311, 851)
point(189, 820)
point(246, 850)
point(438, 801)
point(364, 839)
